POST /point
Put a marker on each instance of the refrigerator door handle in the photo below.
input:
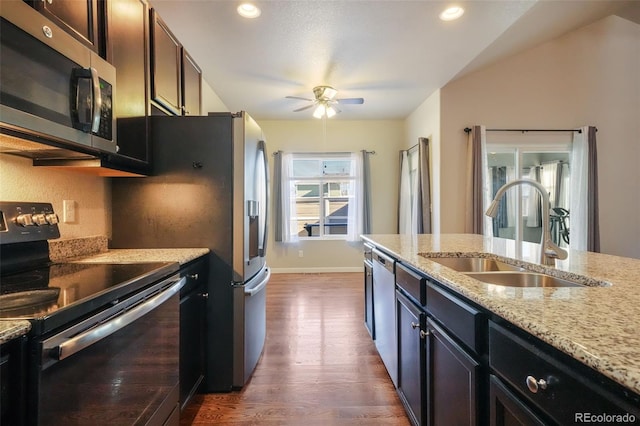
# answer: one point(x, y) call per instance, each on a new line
point(250, 291)
point(263, 148)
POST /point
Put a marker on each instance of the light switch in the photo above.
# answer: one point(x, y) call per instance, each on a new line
point(68, 211)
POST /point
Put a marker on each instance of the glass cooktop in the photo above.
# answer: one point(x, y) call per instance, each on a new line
point(42, 292)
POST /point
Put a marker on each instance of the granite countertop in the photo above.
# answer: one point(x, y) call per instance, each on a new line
point(598, 325)
point(180, 255)
point(10, 329)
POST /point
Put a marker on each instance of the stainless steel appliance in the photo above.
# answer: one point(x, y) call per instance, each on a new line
point(104, 344)
point(51, 86)
point(210, 189)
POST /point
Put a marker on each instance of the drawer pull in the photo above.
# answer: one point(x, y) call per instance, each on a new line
point(424, 334)
point(534, 384)
point(414, 325)
point(193, 276)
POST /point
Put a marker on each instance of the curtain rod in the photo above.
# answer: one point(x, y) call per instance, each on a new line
point(468, 129)
point(330, 153)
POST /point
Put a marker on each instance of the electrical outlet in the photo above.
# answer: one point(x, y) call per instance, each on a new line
point(300, 253)
point(68, 211)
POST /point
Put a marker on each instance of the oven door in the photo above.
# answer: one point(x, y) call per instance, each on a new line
point(118, 367)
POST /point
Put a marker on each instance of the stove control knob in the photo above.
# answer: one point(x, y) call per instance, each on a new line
point(52, 218)
point(24, 220)
point(39, 219)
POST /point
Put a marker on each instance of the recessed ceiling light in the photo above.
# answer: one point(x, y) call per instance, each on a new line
point(451, 13)
point(248, 10)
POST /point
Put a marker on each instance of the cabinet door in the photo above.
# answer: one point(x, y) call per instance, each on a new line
point(506, 409)
point(129, 53)
point(452, 381)
point(192, 331)
point(411, 356)
point(166, 58)
point(83, 19)
point(368, 298)
point(191, 85)
point(13, 378)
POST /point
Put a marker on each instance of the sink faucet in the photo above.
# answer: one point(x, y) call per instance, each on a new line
point(549, 252)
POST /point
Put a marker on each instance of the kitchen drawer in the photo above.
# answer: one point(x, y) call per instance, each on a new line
point(412, 283)
point(462, 320)
point(547, 383)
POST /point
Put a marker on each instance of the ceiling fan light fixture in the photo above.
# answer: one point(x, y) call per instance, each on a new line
point(451, 13)
point(248, 10)
point(320, 110)
point(330, 111)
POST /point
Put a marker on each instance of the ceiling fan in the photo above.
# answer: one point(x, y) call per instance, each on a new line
point(325, 102)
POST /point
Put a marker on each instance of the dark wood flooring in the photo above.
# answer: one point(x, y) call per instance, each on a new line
point(319, 365)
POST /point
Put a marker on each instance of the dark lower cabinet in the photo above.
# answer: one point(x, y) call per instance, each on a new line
point(12, 382)
point(193, 298)
point(453, 381)
point(411, 358)
point(506, 409)
point(552, 384)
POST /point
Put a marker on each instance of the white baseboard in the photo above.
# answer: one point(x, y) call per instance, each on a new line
point(316, 270)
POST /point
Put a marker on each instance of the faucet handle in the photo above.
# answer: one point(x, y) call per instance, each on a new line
point(555, 252)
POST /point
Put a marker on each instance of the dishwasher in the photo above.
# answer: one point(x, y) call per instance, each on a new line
point(384, 308)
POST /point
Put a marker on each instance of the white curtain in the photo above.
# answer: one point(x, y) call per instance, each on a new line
point(288, 190)
point(579, 190)
point(356, 199)
point(404, 206)
point(535, 200)
point(511, 198)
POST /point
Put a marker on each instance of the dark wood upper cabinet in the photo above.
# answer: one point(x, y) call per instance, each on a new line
point(83, 19)
point(166, 66)
point(191, 85)
point(128, 51)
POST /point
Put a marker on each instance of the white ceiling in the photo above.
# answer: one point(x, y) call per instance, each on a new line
point(392, 53)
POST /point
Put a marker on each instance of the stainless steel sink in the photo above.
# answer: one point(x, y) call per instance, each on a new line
point(474, 264)
point(522, 279)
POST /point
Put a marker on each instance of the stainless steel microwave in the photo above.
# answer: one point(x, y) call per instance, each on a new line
point(51, 86)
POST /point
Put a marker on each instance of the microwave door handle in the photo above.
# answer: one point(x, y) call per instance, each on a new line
point(94, 335)
point(97, 100)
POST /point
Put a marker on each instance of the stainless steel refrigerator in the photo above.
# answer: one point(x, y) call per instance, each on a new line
point(209, 189)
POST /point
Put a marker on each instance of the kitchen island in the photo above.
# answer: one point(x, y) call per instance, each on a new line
point(597, 324)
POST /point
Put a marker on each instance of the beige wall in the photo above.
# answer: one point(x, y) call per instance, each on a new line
point(20, 181)
point(210, 100)
point(587, 77)
point(425, 122)
point(385, 138)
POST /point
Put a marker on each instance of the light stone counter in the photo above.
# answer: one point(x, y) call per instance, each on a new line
point(10, 329)
point(180, 255)
point(597, 325)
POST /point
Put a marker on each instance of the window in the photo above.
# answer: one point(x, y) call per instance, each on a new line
point(549, 165)
point(323, 192)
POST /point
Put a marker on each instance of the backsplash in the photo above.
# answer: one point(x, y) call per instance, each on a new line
point(20, 181)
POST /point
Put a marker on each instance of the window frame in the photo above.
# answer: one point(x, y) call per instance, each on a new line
point(321, 181)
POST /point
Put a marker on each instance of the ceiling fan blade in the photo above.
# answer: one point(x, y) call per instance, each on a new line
point(303, 108)
point(354, 101)
point(298, 97)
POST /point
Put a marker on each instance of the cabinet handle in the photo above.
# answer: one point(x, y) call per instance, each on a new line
point(414, 325)
point(424, 334)
point(193, 276)
point(534, 384)
point(204, 295)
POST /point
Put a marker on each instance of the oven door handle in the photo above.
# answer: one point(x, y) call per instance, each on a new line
point(94, 335)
